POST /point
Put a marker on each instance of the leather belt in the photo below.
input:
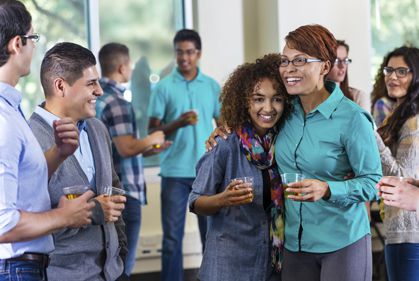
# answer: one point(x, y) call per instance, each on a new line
point(42, 259)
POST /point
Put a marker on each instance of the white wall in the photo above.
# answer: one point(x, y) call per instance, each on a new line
point(347, 20)
point(220, 24)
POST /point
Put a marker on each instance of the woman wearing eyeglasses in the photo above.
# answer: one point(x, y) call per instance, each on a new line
point(339, 75)
point(327, 232)
point(398, 143)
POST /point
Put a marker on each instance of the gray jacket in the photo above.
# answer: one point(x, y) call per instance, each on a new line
point(95, 252)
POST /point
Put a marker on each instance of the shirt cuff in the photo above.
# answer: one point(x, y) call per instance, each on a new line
point(338, 190)
point(8, 221)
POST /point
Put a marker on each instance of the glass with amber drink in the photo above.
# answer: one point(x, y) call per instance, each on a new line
point(288, 178)
point(246, 180)
point(72, 192)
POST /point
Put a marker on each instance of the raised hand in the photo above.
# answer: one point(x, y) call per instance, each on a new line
point(66, 136)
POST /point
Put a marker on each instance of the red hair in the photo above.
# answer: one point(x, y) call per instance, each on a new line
point(314, 40)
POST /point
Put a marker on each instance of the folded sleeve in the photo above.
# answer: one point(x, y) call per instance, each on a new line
point(210, 173)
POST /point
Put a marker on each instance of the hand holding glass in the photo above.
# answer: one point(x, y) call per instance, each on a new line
point(288, 178)
point(249, 184)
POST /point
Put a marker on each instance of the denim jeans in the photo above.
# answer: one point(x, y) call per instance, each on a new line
point(21, 271)
point(174, 200)
point(402, 261)
point(132, 218)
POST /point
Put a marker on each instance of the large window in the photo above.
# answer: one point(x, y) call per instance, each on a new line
point(147, 27)
point(55, 21)
point(394, 23)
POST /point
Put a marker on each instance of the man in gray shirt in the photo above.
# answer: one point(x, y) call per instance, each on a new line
point(70, 82)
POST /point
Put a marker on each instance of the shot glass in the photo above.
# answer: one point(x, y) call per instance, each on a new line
point(110, 191)
point(72, 192)
point(288, 178)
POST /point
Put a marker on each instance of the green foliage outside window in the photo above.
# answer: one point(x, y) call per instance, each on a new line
point(55, 21)
point(393, 24)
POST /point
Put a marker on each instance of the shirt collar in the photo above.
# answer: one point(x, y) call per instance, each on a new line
point(199, 77)
point(327, 107)
point(50, 117)
point(115, 86)
point(11, 95)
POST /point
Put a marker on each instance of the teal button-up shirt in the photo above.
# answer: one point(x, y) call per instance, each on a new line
point(329, 142)
point(173, 96)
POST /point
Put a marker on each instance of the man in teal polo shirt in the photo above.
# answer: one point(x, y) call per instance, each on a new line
point(183, 105)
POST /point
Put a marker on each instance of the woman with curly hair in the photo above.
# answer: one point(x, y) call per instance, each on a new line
point(245, 235)
point(398, 143)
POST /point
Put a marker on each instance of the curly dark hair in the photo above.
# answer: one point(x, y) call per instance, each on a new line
point(409, 107)
point(235, 95)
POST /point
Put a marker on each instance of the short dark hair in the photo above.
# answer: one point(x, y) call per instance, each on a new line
point(110, 56)
point(14, 20)
point(66, 60)
point(188, 35)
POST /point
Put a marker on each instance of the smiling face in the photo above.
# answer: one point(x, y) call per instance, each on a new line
point(80, 98)
point(338, 71)
point(265, 106)
point(397, 86)
point(187, 57)
point(302, 80)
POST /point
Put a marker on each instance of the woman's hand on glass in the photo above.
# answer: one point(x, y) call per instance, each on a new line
point(221, 131)
point(309, 190)
point(236, 193)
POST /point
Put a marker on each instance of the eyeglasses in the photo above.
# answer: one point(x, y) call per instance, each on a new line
point(298, 61)
point(34, 37)
point(400, 71)
point(344, 61)
point(189, 52)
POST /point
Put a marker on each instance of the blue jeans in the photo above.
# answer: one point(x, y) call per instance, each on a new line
point(22, 271)
point(402, 261)
point(174, 200)
point(132, 218)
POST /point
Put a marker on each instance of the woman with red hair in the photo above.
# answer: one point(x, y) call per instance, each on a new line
point(327, 233)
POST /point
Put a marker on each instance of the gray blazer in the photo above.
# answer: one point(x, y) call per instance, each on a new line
point(237, 245)
point(95, 252)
